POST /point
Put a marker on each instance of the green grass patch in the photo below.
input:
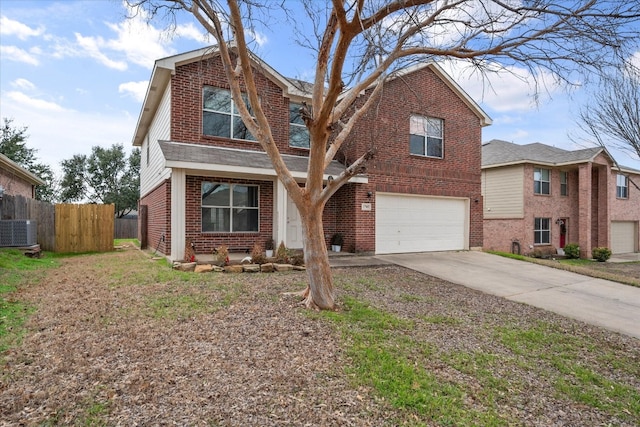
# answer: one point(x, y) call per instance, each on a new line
point(17, 270)
point(441, 320)
point(509, 255)
point(559, 356)
point(383, 358)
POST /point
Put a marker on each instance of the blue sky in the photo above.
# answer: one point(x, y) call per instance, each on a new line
point(75, 73)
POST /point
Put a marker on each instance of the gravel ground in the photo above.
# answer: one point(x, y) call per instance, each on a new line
point(101, 350)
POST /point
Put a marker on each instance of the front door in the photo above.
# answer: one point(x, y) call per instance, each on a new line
point(294, 226)
point(562, 222)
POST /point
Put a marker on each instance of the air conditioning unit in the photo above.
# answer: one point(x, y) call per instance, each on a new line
point(18, 232)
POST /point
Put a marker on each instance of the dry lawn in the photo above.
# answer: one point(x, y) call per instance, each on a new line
point(118, 339)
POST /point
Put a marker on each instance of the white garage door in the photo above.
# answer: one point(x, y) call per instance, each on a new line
point(407, 223)
point(623, 237)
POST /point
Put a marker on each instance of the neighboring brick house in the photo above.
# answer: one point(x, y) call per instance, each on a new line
point(542, 198)
point(16, 180)
point(203, 179)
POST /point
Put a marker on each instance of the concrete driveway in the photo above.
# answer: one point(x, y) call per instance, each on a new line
point(599, 302)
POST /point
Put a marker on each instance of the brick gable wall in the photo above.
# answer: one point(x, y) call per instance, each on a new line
point(186, 107)
point(393, 169)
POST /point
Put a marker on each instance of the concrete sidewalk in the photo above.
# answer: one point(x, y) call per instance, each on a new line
point(599, 302)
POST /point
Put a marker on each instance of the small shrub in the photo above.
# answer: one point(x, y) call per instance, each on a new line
point(572, 250)
point(297, 258)
point(269, 244)
point(222, 255)
point(601, 254)
point(282, 255)
point(257, 255)
point(337, 239)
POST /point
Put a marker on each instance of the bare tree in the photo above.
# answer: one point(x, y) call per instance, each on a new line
point(612, 115)
point(359, 44)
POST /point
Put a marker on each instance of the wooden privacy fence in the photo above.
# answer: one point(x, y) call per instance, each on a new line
point(20, 207)
point(84, 228)
point(126, 228)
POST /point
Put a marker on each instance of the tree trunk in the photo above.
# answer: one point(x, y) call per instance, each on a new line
point(319, 294)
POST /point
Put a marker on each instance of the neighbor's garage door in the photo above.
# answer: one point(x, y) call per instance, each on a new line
point(408, 223)
point(623, 237)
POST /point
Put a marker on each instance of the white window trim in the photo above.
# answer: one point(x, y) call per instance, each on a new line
point(418, 126)
point(625, 186)
point(230, 207)
point(541, 181)
point(537, 230)
point(297, 125)
point(230, 113)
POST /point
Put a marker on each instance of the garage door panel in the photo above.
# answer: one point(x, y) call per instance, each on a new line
point(419, 224)
point(624, 236)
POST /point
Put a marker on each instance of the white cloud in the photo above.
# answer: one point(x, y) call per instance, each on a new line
point(190, 32)
point(503, 89)
point(92, 47)
point(23, 84)
point(33, 103)
point(9, 27)
point(260, 38)
point(137, 90)
point(14, 53)
point(59, 133)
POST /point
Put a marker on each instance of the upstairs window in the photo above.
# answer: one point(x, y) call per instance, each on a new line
point(426, 136)
point(298, 132)
point(229, 208)
point(220, 116)
point(564, 183)
point(541, 181)
point(622, 187)
point(542, 231)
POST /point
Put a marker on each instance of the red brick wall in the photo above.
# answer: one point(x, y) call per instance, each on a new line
point(395, 170)
point(186, 107)
point(385, 127)
point(158, 203)
point(206, 242)
point(14, 185)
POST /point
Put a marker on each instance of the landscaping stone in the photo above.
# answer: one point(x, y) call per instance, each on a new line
point(184, 266)
point(267, 268)
point(283, 267)
point(233, 269)
point(299, 268)
point(203, 268)
point(251, 268)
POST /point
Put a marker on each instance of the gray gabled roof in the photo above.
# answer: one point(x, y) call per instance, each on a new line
point(207, 157)
point(501, 153)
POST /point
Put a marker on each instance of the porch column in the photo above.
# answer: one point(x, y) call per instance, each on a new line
point(604, 211)
point(584, 209)
point(178, 213)
point(279, 213)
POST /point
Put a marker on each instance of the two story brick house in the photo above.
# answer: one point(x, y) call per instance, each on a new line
point(538, 197)
point(204, 179)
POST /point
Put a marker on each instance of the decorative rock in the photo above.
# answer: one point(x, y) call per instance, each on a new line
point(233, 269)
point(251, 268)
point(299, 268)
point(217, 268)
point(203, 268)
point(267, 268)
point(184, 266)
point(283, 267)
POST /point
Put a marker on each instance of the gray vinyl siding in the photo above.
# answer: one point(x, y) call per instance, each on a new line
point(503, 192)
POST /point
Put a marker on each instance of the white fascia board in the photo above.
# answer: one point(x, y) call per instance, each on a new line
point(244, 171)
